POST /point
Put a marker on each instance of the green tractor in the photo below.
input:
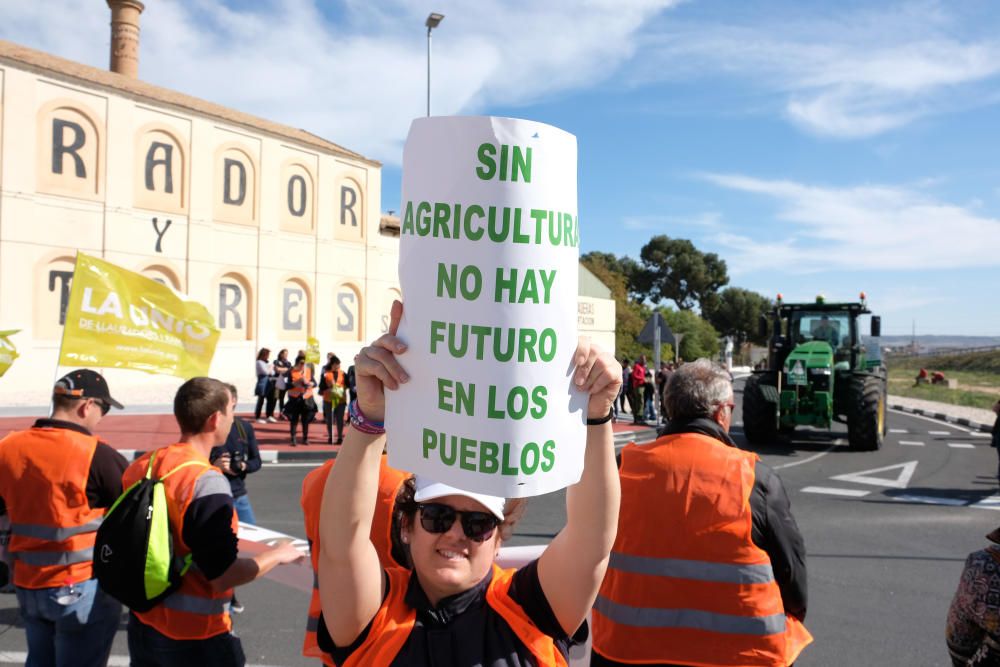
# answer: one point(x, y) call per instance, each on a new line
point(818, 372)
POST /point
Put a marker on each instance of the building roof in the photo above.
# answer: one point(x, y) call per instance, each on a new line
point(591, 285)
point(61, 68)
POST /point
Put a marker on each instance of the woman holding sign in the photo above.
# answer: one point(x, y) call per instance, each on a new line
point(454, 606)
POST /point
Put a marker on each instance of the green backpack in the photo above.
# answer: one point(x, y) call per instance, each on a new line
point(134, 558)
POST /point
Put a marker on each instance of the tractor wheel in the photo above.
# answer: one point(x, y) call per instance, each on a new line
point(759, 414)
point(866, 419)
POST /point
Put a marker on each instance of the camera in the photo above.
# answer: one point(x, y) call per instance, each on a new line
point(237, 460)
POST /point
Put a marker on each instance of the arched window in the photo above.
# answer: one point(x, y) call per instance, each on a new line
point(296, 309)
point(160, 169)
point(234, 307)
point(347, 313)
point(70, 151)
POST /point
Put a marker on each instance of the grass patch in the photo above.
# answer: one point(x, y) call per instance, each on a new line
point(977, 373)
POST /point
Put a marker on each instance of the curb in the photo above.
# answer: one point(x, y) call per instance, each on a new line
point(940, 416)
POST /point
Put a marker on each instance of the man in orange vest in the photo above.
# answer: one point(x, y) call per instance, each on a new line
point(716, 575)
point(57, 480)
point(192, 626)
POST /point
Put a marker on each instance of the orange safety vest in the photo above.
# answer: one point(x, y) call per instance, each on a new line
point(389, 481)
point(43, 481)
point(394, 621)
point(195, 610)
point(297, 376)
point(330, 381)
point(685, 583)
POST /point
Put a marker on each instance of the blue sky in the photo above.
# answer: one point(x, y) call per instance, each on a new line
point(817, 147)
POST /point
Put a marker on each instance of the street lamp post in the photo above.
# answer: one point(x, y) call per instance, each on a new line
point(433, 19)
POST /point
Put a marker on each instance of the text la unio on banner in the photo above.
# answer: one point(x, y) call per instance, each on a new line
point(488, 265)
point(117, 318)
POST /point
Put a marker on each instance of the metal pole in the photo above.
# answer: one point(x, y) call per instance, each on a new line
point(428, 71)
point(656, 371)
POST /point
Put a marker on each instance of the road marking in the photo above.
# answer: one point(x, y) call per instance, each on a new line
point(961, 445)
point(911, 443)
point(865, 476)
point(20, 657)
point(939, 432)
point(979, 434)
point(931, 500)
point(294, 465)
point(898, 430)
point(829, 490)
point(990, 503)
point(932, 420)
point(838, 441)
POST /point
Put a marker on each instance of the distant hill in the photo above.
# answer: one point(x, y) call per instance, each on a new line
point(932, 343)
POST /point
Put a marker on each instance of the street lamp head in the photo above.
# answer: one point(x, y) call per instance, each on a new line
point(433, 19)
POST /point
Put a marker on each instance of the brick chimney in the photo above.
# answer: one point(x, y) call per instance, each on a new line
point(125, 36)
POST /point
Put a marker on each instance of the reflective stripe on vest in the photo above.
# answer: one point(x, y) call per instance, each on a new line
point(43, 558)
point(692, 569)
point(696, 619)
point(52, 533)
point(193, 604)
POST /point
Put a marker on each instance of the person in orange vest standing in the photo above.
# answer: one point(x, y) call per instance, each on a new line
point(390, 552)
point(191, 626)
point(333, 389)
point(716, 576)
point(57, 479)
point(301, 404)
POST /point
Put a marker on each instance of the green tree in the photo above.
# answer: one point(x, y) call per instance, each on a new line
point(673, 269)
point(700, 338)
point(630, 316)
point(735, 312)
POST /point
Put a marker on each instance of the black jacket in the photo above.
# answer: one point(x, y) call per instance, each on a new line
point(774, 529)
point(241, 445)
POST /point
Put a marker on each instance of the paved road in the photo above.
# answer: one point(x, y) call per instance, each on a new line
point(887, 533)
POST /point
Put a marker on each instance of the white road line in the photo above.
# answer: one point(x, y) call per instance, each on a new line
point(20, 657)
point(911, 443)
point(961, 445)
point(931, 500)
point(933, 421)
point(991, 503)
point(293, 465)
point(898, 430)
point(979, 434)
point(939, 432)
point(832, 491)
point(838, 441)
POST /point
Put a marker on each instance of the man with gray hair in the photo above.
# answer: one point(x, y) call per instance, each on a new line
point(708, 567)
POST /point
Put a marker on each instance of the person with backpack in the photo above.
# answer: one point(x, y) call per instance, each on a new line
point(56, 481)
point(191, 625)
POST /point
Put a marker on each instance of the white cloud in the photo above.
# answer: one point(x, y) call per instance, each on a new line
point(664, 223)
point(842, 74)
point(867, 227)
point(360, 80)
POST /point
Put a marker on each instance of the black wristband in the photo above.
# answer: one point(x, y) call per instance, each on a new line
point(602, 420)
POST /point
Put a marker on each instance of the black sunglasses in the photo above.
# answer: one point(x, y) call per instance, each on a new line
point(105, 406)
point(438, 518)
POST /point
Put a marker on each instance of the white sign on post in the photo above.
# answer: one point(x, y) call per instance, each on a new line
point(488, 265)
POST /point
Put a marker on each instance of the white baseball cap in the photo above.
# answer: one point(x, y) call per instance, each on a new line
point(427, 489)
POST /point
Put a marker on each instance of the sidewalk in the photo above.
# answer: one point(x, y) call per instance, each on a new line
point(974, 418)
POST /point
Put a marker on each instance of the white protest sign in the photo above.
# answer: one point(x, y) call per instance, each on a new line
point(488, 265)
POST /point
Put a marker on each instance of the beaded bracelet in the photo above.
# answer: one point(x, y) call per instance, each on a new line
point(363, 424)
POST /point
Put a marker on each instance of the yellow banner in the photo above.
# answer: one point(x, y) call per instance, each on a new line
point(312, 350)
point(8, 353)
point(120, 319)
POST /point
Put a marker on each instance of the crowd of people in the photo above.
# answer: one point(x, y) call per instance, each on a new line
point(286, 391)
point(405, 566)
point(640, 389)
